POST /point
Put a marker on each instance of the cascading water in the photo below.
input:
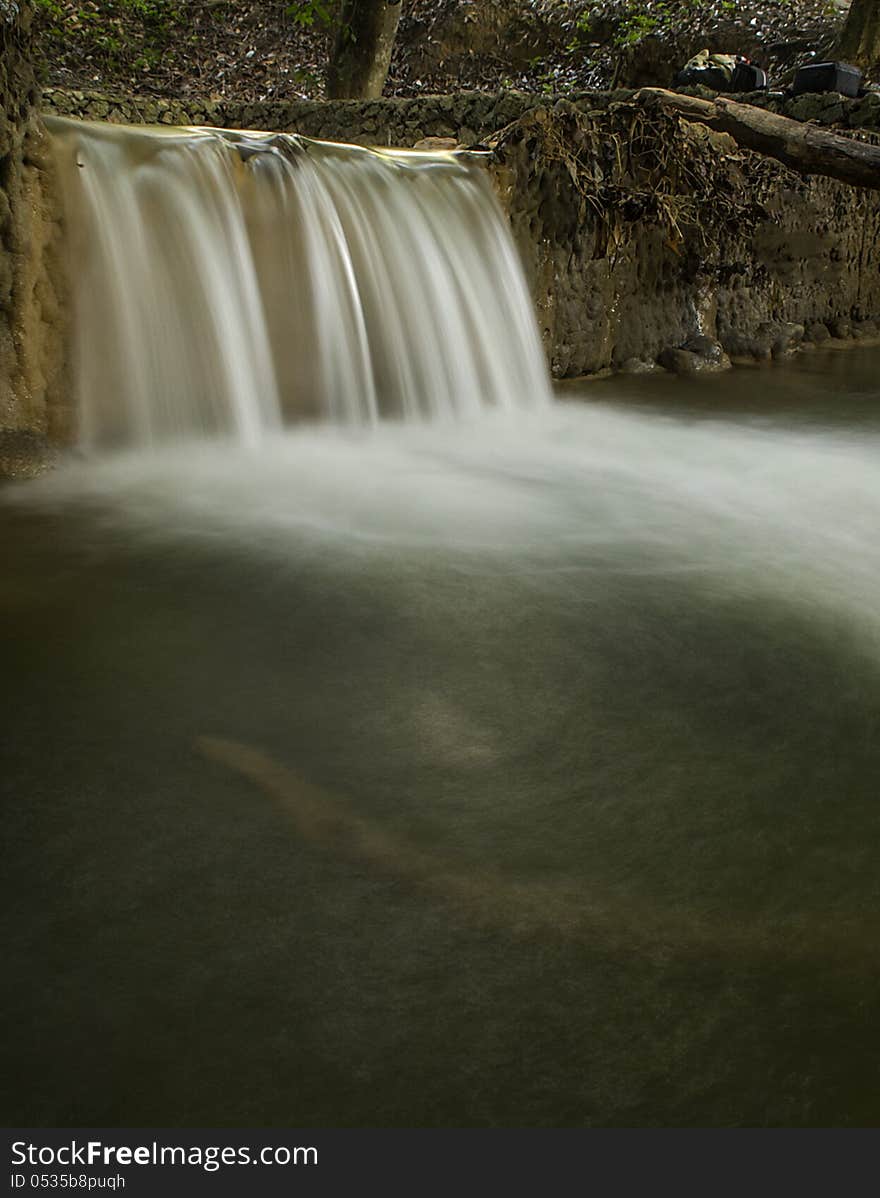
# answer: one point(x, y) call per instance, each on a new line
point(225, 282)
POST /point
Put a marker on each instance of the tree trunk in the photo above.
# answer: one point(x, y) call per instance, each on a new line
point(859, 40)
point(362, 51)
point(804, 147)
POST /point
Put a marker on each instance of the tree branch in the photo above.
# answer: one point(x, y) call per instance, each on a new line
point(804, 147)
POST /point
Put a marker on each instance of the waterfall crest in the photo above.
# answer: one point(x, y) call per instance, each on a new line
point(225, 283)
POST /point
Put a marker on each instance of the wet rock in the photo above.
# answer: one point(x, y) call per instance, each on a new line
point(707, 348)
point(783, 337)
point(866, 330)
point(841, 328)
point(678, 361)
point(816, 332)
point(747, 345)
point(24, 455)
point(638, 366)
point(699, 355)
point(436, 144)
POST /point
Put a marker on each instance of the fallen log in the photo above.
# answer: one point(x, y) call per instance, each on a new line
point(804, 147)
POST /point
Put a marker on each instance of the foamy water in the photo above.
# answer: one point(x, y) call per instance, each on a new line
point(565, 494)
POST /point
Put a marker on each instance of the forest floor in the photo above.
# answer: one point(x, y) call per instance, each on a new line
point(255, 50)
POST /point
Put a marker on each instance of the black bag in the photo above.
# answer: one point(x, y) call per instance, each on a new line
point(749, 78)
point(828, 77)
point(745, 77)
point(712, 77)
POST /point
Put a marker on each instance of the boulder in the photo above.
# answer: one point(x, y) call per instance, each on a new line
point(841, 328)
point(698, 355)
point(782, 336)
point(816, 332)
point(866, 330)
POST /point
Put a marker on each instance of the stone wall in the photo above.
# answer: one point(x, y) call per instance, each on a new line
point(31, 338)
point(467, 116)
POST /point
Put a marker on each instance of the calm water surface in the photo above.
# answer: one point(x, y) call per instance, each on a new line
point(547, 791)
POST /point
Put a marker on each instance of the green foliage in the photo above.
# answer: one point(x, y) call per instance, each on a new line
point(115, 32)
point(642, 19)
point(306, 78)
point(154, 12)
point(307, 13)
point(53, 13)
point(638, 19)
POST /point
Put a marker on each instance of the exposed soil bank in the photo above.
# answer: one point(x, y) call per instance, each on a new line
point(645, 239)
point(31, 335)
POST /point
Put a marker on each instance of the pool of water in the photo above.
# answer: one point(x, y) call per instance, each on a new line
point(518, 772)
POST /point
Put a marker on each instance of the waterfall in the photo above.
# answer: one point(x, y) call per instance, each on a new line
point(226, 283)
